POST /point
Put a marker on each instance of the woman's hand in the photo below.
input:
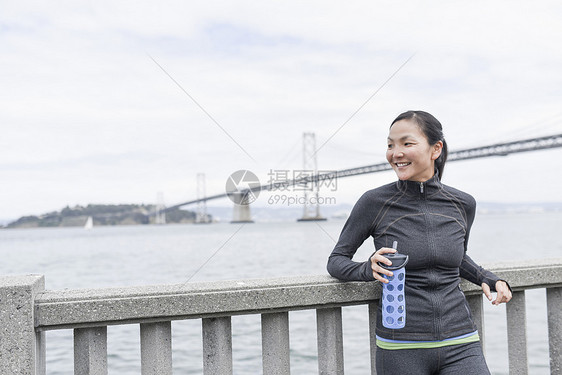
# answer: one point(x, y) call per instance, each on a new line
point(379, 257)
point(503, 293)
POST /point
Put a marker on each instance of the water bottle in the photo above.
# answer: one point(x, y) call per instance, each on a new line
point(393, 302)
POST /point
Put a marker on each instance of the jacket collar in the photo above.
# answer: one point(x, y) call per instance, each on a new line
point(416, 188)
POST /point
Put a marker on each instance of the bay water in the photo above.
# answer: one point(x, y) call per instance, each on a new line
point(175, 254)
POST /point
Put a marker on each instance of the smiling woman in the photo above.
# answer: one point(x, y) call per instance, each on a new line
point(431, 223)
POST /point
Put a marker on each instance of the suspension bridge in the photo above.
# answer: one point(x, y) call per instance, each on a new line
point(242, 195)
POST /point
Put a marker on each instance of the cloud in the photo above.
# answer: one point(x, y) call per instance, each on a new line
point(80, 91)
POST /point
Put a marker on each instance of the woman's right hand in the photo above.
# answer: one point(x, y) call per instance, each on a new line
point(378, 256)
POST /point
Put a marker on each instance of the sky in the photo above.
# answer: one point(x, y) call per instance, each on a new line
point(112, 102)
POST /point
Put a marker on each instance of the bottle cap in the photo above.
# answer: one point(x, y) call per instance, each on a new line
point(398, 261)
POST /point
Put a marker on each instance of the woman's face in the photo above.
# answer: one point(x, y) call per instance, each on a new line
point(409, 153)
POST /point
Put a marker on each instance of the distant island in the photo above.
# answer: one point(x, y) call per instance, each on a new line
point(139, 214)
point(102, 214)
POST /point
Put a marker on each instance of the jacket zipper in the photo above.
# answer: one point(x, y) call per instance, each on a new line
point(432, 256)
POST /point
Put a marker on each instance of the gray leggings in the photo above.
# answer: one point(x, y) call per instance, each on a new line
point(463, 359)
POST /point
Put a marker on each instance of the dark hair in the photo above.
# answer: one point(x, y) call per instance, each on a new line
point(433, 131)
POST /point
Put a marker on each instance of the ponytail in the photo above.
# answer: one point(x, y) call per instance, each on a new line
point(441, 160)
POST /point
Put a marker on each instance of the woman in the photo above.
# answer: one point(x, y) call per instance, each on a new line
point(431, 224)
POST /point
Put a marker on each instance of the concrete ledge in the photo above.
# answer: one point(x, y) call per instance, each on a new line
point(97, 307)
point(19, 344)
point(532, 274)
point(71, 309)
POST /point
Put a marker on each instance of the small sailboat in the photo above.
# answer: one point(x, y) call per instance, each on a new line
point(89, 223)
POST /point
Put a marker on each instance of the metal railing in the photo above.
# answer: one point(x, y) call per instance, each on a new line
point(27, 311)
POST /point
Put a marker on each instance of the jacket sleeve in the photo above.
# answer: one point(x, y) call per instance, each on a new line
point(468, 269)
point(355, 231)
point(474, 273)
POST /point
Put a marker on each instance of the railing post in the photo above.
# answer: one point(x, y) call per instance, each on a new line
point(22, 350)
point(217, 346)
point(553, 303)
point(373, 307)
point(41, 353)
point(517, 334)
point(477, 307)
point(275, 344)
point(330, 341)
point(156, 348)
point(90, 351)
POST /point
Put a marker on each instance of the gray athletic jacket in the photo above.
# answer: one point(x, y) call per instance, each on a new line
point(431, 223)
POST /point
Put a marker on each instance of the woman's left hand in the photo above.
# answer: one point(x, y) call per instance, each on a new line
point(503, 293)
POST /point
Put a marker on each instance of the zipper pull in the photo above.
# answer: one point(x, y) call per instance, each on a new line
point(421, 187)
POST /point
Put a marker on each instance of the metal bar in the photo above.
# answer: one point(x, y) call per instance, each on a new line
point(330, 341)
point(217, 346)
point(156, 348)
point(554, 312)
point(275, 344)
point(502, 149)
point(517, 334)
point(90, 351)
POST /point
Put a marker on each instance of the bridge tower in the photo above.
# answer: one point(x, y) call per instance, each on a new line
point(310, 167)
point(201, 213)
point(239, 189)
point(241, 213)
point(160, 217)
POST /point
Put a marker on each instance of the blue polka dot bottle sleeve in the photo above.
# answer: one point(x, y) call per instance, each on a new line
point(393, 301)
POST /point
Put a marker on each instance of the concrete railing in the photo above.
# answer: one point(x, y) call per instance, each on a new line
point(27, 311)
